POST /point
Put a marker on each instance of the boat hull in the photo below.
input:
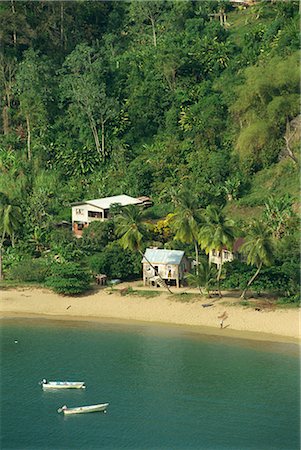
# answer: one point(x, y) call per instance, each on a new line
point(51, 385)
point(86, 409)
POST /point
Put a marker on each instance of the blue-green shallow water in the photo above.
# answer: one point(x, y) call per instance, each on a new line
point(168, 388)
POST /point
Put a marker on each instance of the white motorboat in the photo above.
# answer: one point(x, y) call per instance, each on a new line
point(62, 384)
point(101, 407)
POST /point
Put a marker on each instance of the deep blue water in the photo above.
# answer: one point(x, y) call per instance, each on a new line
point(167, 387)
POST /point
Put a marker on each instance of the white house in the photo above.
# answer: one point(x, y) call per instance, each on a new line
point(171, 265)
point(221, 257)
point(83, 213)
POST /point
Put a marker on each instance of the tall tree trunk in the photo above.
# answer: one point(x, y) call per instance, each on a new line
point(287, 137)
point(289, 151)
point(103, 137)
point(14, 23)
point(154, 31)
point(219, 275)
point(1, 246)
point(251, 281)
point(62, 25)
point(96, 139)
point(1, 274)
point(7, 81)
point(95, 134)
point(196, 257)
point(28, 138)
point(5, 120)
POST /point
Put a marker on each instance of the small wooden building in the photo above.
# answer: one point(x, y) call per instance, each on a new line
point(171, 265)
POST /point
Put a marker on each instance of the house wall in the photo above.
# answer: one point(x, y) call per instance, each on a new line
point(80, 213)
point(80, 216)
point(215, 257)
point(78, 229)
point(166, 271)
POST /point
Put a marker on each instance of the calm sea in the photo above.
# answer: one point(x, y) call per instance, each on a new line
point(168, 388)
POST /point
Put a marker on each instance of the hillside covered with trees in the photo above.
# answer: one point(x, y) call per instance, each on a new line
point(192, 103)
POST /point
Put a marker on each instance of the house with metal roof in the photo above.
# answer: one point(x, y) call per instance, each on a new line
point(85, 212)
point(167, 265)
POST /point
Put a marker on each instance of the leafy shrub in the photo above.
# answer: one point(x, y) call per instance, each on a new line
point(68, 278)
point(97, 236)
point(10, 258)
point(65, 246)
point(281, 280)
point(139, 176)
point(115, 262)
point(271, 279)
point(292, 299)
point(96, 263)
point(30, 270)
point(158, 211)
point(237, 275)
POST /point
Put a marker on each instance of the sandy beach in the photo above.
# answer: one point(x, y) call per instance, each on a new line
point(269, 324)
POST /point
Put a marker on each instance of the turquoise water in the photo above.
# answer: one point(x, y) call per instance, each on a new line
point(168, 388)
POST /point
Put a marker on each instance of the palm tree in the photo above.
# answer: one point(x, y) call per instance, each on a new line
point(186, 220)
point(215, 234)
point(279, 214)
point(132, 232)
point(259, 249)
point(10, 219)
point(204, 278)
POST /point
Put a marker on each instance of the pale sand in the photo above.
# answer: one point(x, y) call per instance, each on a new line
point(282, 325)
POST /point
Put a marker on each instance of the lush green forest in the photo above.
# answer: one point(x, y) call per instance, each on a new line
point(192, 103)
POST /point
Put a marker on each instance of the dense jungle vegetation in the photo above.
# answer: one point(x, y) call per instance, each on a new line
point(192, 103)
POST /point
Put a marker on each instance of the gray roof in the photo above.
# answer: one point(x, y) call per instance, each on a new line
point(161, 256)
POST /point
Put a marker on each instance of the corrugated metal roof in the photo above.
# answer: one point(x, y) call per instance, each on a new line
point(162, 256)
point(106, 202)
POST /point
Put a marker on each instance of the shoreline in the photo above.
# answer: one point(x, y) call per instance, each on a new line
point(195, 329)
point(107, 306)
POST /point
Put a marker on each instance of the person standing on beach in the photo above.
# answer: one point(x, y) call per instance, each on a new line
point(222, 317)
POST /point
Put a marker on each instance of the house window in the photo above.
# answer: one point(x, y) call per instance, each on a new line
point(95, 214)
point(79, 211)
point(106, 213)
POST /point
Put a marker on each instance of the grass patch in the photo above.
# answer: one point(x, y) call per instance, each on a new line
point(185, 297)
point(138, 293)
point(273, 181)
point(245, 303)
point(283, 303)
point(242, 21)
point(6, 284)
point(146, 294)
